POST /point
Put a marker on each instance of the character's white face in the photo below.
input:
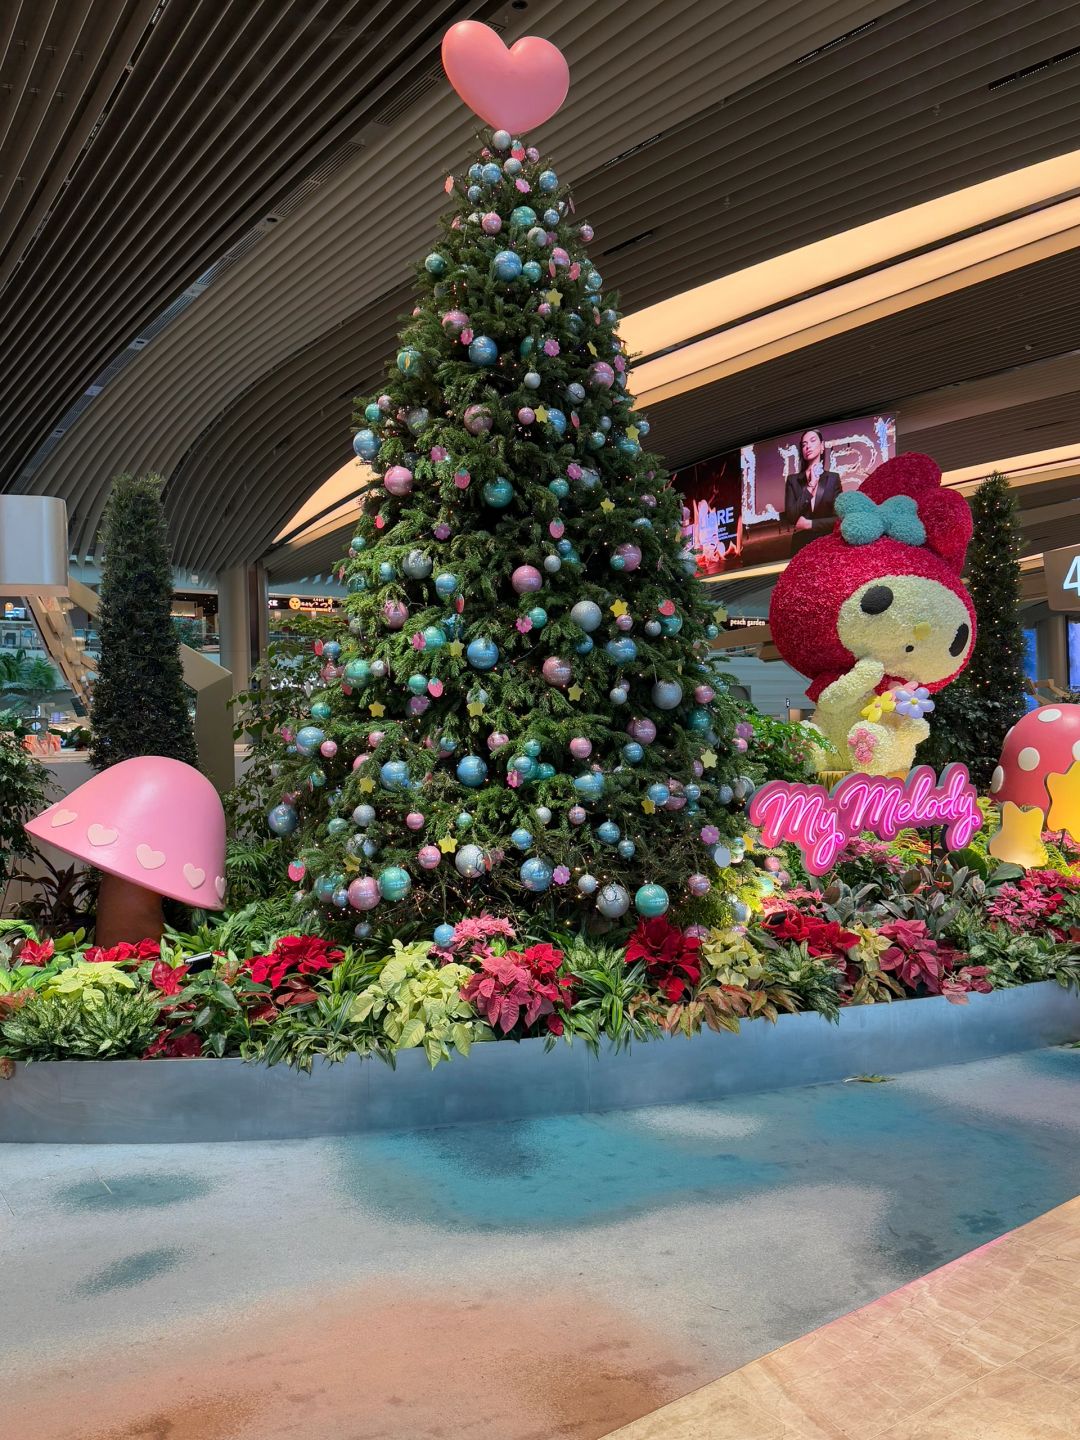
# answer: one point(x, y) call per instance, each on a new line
point(918, 628)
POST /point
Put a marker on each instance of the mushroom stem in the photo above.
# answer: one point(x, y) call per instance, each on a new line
point(127, 911)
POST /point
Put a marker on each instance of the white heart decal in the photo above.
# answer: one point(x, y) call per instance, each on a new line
point(62, 817)
point(219, 886)
point(149, 858)
point(193, 875)
point(100, 834)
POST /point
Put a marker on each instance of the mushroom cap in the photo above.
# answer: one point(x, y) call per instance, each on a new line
point(1045, 741)
point(151, 820)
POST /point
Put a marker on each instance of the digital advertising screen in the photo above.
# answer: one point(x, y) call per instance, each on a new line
point(761, 503)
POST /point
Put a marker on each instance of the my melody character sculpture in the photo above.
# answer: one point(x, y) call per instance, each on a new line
point(876, 614)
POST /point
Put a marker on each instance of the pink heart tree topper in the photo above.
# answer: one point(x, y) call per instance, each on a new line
point(515, 89)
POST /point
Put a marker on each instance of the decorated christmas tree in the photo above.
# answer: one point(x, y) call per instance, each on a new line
point(521, 715)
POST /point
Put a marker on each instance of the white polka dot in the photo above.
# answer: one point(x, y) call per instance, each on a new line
point(1053, 713)
point(997, 779)
point(1076, 751)
point(1028, 758)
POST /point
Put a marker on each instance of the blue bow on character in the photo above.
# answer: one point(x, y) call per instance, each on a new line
point(862, 520)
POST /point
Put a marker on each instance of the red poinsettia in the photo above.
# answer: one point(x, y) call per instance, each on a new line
point(168, 978)
point(821, 937)
point(168, 1046)
point(124, 953)
point(506, 992)
point(296, 954)
point(916, 957)
point(36, 952)
point(671, 956)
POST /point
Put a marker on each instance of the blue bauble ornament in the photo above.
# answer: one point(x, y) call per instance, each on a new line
point(482, 654)
point(551, 218)
point(474, 193)
point(447, 745)
point(618, 694)
point(357, 543)
point(593, 280)
point(538, 615)
point(498, 493)
point(725, 794)
point(658, 793)
point(434, 637)
point(282, 819)
point(613, 901)
point(368, 848)
point(552, 564)
point(320, 710)
point(372, 413)
point(386, 572)
point(596, 440)
point(588, 884)
point(451, 626)
point(356, 585)
point(520, 839)
point(337, 825)
point(531, 271)
point(590, 785)
point(651, 900)
point(416, 565)
point(698, 720)
point(394, 774)
point(667, 694)
point(537, 237)
point(394, 883)
point(627, 447)
point(511, 167)
point(532, 748)
point(364, 815)
point(536, 874)
point(575, 393)
point(445, 585)
point(712, 631)
point(587, 615)
point(475, 171)
point(491, 173)
point(501, 140)
point(643, 427)
point(443, 935)
point(366, 444)
point(547, 182)
point(608, 832)
point(309, 738)
point(325, 886)
point(584, 646)
point(544, 771)
point(671, 624)
point(417, 684)
point(409, 360)
point(617, 562)
point(435, 264)
point(531, 380)
point(506, 265)
point(621, 651)
point(627, 849)
point(558, 422)
point(652, 627)
point(559, 488)
point(340, 897)
point(472, 771)
point(525, 766)
point(692, 792)
point(483, 350)
point(632, 753)
point(462, 820)
point(522, 216)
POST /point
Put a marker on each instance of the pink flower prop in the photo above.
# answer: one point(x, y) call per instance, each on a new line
point(560, 875)
point(524, 624)
point(418, 642)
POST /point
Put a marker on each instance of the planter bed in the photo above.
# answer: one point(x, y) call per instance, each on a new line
point(143, 1102)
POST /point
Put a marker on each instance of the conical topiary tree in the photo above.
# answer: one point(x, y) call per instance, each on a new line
point(521, 712)
point(975, 712)
point(139, 704)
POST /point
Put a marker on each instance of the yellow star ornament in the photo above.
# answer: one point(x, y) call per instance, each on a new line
point(541, 413)
point(620, 607)
point(376, 709)
point(475, 707)
point(1065, 801)
point(553, 297)
point(367, 785)
point(607, 506)
point(591, 348)
point(649, 806)
point(632, 432)
point(1019, 841)
point(456, 649)
point(708, 759)
point(575, 692)
point(448, 844)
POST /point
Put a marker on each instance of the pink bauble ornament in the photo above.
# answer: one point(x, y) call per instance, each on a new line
point(359, 761)
point(649, 501)
point(384, 402)
point(704, 694)
point(601, 375)
point(526, 415)
point(698, 769)
point(557, 671)
point(624, 622)
point(577, 815)
point(497, 741)
point(395, 613)
point(398, 480)
point(526, 579)
point(416, 705)
point(375, 738)
point(580, 747)
point(428, 857)
point(631, 555)
point(772, 864)
point(477, 419)
point(559, 258)
point(414, 820)
point(364, 893)
point(698, 885)
point(585, 230)
point(454, 321)
point(491, 223)
point(642, 729)
point(740, 745)
point(328, 748)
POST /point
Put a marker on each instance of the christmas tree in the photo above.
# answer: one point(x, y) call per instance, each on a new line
point(140, 703)
point(976, 711)
point(521, 715)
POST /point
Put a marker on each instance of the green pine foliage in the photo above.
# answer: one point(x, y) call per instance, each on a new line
point(140, 702)
point(532, 460)
point(974, 713)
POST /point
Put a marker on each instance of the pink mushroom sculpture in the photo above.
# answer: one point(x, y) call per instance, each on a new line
point(1037, 783)
point(153, 827)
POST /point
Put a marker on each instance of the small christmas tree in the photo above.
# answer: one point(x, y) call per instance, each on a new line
point(520, 714)
point(975, 712)
point(139, 704)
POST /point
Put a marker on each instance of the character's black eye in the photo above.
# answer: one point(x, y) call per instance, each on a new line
point(876, 600)
point(960, 640)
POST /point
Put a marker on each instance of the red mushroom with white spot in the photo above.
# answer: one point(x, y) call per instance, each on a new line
point(153, 827)
point(1044, 742)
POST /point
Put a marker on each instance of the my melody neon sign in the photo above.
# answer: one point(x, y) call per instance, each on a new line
point(822, 823)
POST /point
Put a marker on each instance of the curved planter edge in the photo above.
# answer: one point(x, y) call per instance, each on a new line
point(168, 1101)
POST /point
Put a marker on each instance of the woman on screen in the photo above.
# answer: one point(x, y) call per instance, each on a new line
point(810, 494)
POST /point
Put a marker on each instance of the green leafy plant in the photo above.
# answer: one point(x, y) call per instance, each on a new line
point(611, 998)
point(64, 1024)
point(23, 788)
point(140, 702)
point(415, 1002)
